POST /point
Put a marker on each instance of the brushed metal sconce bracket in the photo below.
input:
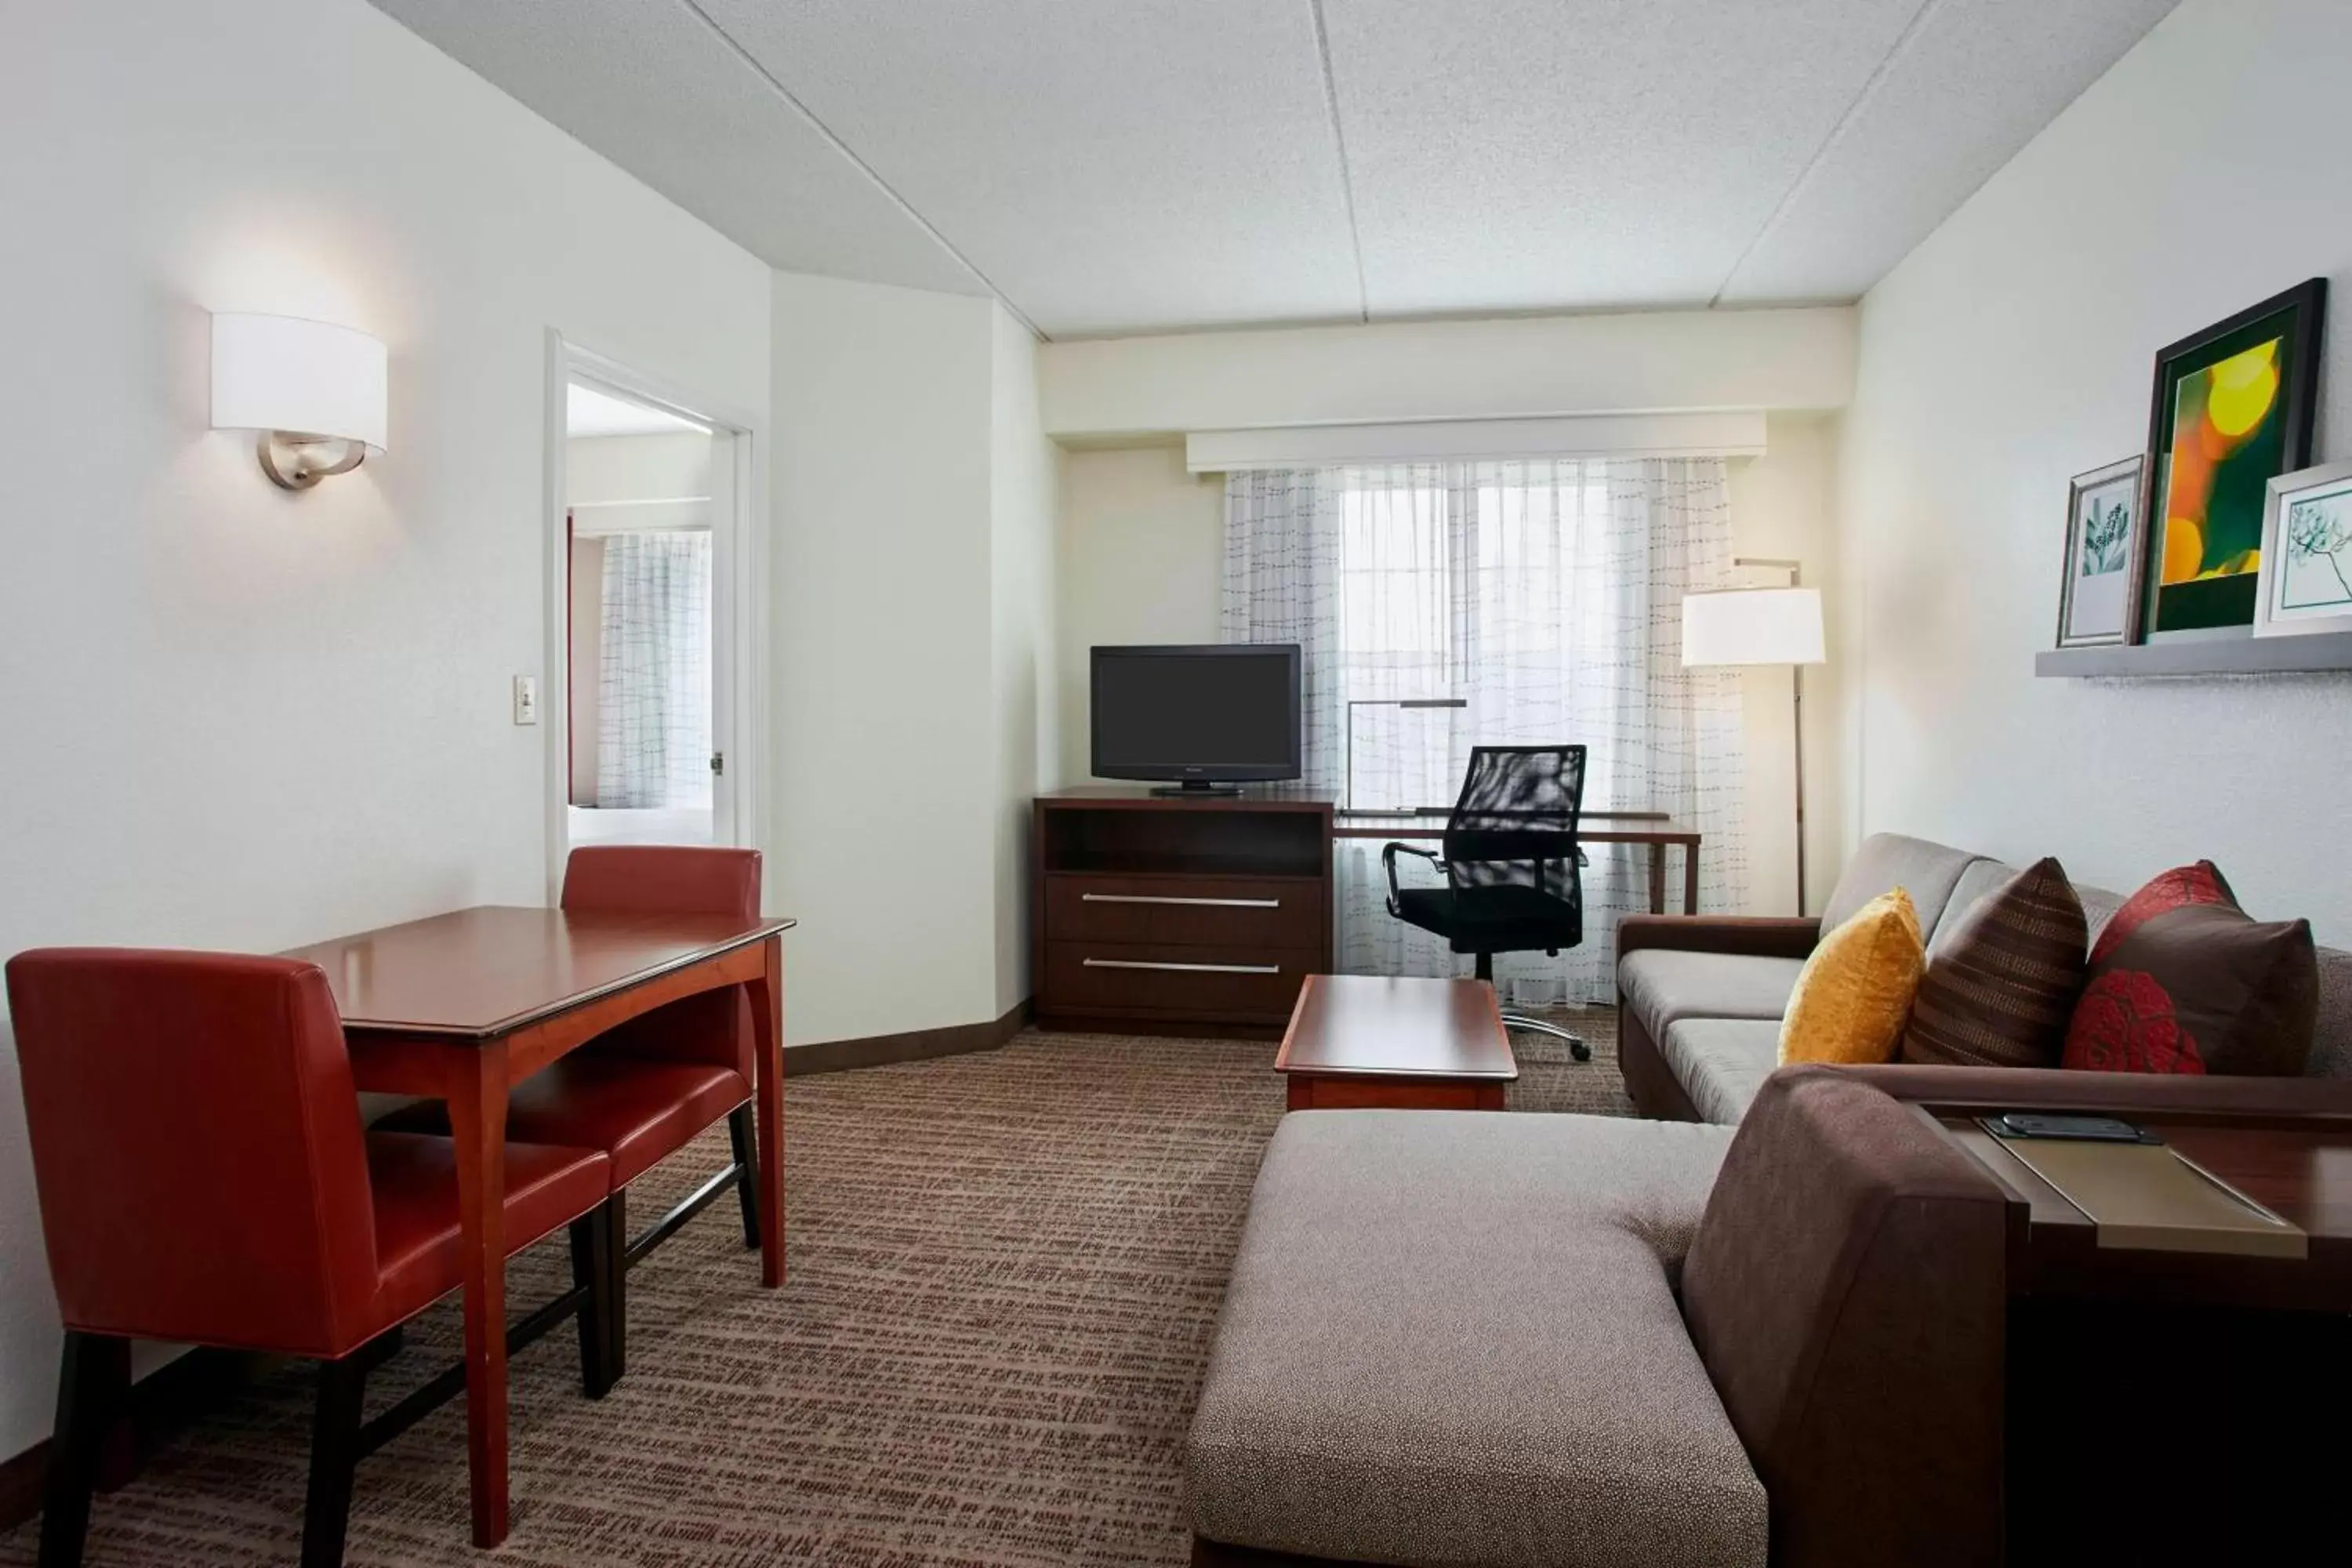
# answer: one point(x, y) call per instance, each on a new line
point(295, 462)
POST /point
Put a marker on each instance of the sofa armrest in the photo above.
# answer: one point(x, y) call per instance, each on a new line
point(2057, 1088)
point(1764, 936)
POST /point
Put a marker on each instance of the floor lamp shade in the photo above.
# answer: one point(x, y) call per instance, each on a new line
point(1753, 626)
point(1768, 626)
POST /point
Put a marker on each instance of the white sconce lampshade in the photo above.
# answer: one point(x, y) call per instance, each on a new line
point(317, 393)
point(1753, 626)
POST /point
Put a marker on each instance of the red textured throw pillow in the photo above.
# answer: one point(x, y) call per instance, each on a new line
point(2200, 884)
point(2183, 981)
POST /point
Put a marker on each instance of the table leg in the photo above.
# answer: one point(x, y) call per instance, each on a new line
point(1690, 878)
point(1658, 878)
point(767, 994)
point(477, 1119)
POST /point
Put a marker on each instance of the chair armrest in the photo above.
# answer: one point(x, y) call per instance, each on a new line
point(1763, 936)
point(1388, 852)
point(2059, 1088)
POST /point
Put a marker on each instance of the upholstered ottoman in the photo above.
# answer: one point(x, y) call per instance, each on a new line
point(1453, 1338)
point(1509, 1340)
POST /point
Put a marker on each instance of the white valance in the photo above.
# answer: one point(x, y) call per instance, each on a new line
point(1733, 433)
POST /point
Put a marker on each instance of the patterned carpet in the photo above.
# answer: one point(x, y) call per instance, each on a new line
point(1002, 1271)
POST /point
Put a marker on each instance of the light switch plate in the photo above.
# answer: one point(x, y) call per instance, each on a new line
point(526, 699)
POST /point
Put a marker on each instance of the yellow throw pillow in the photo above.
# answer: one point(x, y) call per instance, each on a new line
point(1854, 994)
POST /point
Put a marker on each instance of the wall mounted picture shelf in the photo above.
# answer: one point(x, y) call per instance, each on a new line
point(2219, 655)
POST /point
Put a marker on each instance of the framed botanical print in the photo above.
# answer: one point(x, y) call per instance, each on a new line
point(2232, 410)
point(2306, 582)
point(2098, 603)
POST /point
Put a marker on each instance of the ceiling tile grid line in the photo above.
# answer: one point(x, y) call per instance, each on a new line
point(1152, 166)
point(1340, 142)
point(1853, 115)
point(849, 153)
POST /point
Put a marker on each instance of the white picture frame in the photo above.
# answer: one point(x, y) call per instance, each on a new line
point(2099, 590)
point(2304, 582)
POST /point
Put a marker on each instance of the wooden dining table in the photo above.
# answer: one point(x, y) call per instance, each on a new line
point(462, 1007)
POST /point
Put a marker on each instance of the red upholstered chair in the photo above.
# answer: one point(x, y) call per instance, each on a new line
point(645, 1089)
point(203, 1178)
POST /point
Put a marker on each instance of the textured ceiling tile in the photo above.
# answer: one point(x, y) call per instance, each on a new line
point(1531, 154)
point(1107, 167)
point(648, 84)
point(1976, 82)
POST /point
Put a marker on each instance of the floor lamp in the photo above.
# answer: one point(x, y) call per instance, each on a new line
point(1762, 626)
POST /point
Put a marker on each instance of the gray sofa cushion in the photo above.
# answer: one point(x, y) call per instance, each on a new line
point(1722, 1062)
point(1982, 876)
point(1452, 1338)
point(1663, 983)
point(1888, 860)
point(2331, 1040)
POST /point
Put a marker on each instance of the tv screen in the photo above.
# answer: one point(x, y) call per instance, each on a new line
point(1216, 714)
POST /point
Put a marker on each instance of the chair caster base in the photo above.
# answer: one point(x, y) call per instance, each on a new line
point(1577, 1049)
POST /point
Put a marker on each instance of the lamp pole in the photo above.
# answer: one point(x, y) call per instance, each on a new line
point(1797, 711)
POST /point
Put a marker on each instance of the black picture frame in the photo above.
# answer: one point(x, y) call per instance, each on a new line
point(2213, 608)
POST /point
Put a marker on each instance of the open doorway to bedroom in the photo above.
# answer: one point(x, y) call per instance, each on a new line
point(649, 495)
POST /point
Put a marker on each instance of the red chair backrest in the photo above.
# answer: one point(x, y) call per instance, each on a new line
point(671, 878)
point(197, 1147)
point(714, 1027)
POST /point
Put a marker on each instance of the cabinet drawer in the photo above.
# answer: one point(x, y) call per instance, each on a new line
point(1209, 912)
point(1163, 977)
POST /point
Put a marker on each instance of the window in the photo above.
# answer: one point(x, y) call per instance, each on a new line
point(1545, 597)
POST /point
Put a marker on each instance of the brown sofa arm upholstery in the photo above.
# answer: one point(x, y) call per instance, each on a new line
point(2055, 1089)
point(1847, 1293)
point(1764, 936)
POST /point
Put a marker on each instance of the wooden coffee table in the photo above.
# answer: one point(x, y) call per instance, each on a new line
point(1371, 1042)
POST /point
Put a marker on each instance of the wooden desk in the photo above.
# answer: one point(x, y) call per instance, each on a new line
point(1594, 827)
point(1367, 1041)
point(462, 1007)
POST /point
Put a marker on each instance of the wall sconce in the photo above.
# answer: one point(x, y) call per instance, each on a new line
point(316, 394)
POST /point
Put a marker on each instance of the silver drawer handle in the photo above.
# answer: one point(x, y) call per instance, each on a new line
point(1188, 968)
point(1204, 903)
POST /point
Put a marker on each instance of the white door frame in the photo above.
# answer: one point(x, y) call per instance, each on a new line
point(739, 615)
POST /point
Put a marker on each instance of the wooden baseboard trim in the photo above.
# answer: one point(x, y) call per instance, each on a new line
point(165, 1402)
point(914, 1046)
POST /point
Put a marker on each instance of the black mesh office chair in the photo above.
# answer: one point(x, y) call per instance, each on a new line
point(1514, 878)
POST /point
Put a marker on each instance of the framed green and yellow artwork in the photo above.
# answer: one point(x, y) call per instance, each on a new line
point(2232, 410)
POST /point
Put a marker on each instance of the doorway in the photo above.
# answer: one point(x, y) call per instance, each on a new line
point(650, 501)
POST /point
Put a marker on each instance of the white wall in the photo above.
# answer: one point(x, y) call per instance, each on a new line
point(1784, 508)
point(883, 749)
point(1519, 367)
point(1141, 544)
point(241, 718)
point(911, 635)
point(617, 482)
point(2205, 171)
point(1023, 480)
point(1141, 554)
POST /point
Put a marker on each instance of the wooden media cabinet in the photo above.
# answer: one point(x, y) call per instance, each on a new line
point(1158, 914)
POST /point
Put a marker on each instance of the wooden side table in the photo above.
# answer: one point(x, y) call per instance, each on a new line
point(1361, 1042)
point(2121, 1359)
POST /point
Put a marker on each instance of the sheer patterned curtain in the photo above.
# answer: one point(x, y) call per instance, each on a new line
point(1547, 597)
point(653, 678)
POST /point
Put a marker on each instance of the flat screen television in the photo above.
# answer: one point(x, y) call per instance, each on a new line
point(1206, 718)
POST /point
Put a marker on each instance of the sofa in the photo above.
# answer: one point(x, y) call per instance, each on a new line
point(1459, 1338)
point(1700, 998)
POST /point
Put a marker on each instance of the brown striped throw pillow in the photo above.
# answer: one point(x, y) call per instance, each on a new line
point(2000, 987)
